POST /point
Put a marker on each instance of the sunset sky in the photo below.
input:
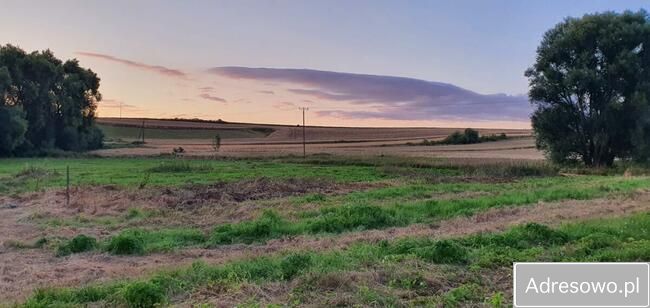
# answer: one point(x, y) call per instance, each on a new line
point(352, 63)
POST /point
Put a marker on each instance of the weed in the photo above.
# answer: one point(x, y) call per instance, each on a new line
point(497, 300)
point(465, 293)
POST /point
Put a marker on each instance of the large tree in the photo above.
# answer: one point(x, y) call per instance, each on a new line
point(590, 86)
point(57, 101)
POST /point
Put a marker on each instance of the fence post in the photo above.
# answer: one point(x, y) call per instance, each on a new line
point(67, 185)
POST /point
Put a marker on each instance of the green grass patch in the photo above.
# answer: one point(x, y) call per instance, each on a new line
point(159, 172)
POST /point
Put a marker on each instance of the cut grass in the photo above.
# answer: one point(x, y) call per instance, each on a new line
point(357, 215)
point(531, 242)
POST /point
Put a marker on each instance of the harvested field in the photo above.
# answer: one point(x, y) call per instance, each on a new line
point(307, 231)
point(254, 140)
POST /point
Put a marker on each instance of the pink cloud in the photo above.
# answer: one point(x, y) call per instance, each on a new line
point(212, 98)
point(147, 67)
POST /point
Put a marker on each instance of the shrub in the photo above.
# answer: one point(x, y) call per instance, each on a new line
point(79, 243)
point(127, 243)
point(143, 294)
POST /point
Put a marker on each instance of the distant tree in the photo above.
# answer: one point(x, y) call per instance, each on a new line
point(58, 100)
point(471, 136)
point(590, 86)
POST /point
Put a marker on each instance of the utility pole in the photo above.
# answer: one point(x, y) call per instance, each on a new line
point(304, 148)
point(120, 109)
point(142, 131)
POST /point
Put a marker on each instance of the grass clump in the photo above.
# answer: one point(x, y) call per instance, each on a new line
point(136, 241)
point(144, 294)
point(444, 252)
point(79, 243)
point(126, 243)
point(470, 292)
point(269, 225)
point(294, 264)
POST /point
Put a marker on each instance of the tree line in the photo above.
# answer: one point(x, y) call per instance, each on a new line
point(46, 105)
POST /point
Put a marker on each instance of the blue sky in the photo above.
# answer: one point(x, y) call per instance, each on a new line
point(480, 46)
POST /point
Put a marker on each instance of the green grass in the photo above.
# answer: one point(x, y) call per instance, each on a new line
point(142, 172)
point(620, 239)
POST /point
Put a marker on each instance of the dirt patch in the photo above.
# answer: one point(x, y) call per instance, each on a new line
point(257, 189)
point(23, 270)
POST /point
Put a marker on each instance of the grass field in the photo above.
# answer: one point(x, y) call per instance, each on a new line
point(323, 231)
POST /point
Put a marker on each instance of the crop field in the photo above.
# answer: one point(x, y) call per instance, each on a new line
point(327, 230)
point(256, 140)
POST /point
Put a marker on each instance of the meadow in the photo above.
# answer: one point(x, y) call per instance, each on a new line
point(320, 231)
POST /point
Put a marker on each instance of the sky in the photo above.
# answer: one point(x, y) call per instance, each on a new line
point(447, 63)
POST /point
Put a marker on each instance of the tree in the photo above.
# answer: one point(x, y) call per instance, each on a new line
point(58, 100)
point(12, 129)
point(590, 85)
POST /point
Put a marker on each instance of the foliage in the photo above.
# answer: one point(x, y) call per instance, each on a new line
point(12, 129)
point(469, 136)
point(590, 85)
point(58, 100)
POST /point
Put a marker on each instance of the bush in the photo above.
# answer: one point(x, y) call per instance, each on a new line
point(79, 243)
point(143, 294)
point(127, 243)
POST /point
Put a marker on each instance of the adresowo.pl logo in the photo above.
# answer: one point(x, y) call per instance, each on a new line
point(581, 285)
